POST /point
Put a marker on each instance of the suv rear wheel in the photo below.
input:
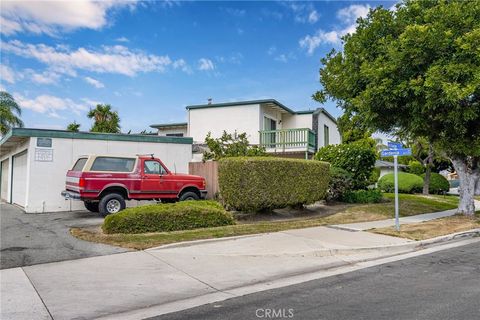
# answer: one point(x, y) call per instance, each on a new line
point(111, 203)
point(91, 206)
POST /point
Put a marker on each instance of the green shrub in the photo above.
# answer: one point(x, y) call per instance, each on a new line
point(415, 167)
point(264, 183)
point(363, 196)
point(340, 183)
point(183, 215)
point(438, 183)
point(374, 176)
point(357, 158)
point(407, 183)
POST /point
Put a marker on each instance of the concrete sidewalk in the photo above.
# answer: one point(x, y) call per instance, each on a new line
point(362, 226)
point(114, 284)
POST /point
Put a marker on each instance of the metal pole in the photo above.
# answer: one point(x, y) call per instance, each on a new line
point(395, 164)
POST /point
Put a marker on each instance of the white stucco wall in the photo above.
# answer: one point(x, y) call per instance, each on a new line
point(165, 131)
point(333, 130)
point(46, 180)
point(296, 121)
point(245, 118)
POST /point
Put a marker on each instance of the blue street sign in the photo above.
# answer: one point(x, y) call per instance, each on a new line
point(396, 152)
point(395, 145)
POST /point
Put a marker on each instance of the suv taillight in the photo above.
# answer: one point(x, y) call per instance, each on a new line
point(81, 183)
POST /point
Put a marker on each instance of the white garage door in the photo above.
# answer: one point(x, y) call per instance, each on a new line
point(19, 177)
point(4, 181)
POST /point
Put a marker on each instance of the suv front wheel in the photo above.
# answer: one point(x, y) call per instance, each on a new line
point(111, 203)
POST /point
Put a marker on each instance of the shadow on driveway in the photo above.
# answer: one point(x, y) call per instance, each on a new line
point(27, 239)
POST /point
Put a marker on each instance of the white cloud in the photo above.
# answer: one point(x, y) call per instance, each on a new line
point(271, 50)
point(7, 74)
point(182, 65)
point(313, 16)
point(347, 17)
point(110, 59)
point(235, 12)
point(49, 105)
point(94, 82)
point(350, 14)
point(205, 64)
point(281, 58)
point(122, 39)
point(46, 77)
point(50, 17)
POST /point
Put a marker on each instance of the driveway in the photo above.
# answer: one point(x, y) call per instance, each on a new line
point(28, 239)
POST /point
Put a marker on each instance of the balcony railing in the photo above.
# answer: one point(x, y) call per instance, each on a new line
point(288, 140)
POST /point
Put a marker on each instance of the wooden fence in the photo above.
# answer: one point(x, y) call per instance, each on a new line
point(208, 170)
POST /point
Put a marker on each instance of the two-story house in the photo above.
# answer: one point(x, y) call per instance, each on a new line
point(267, 123)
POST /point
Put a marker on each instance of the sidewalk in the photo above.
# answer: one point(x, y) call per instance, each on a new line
point(362, 226)
point(116, 285)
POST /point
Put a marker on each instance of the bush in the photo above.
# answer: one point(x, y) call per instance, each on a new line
point(363, 196)
point(407, 183)
point(340, 183)
point(265, 183)
point(415, 167)
point(183, 215)
point(438, 183)
point(356, 158)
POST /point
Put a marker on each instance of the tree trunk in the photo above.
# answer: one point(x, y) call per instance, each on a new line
point(426, 181)
point(469, 173)
point(477, 189)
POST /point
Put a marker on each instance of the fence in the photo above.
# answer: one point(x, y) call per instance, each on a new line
point(208, 170)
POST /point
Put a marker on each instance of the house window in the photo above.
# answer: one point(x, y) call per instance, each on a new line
point(174, 135)
point(326, 135)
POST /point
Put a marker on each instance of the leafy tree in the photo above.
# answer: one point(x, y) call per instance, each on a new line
point(230, 145)
point(74, 126)
point(105, 119)
point(10, 113)
point(416, 71)
point(352, 128)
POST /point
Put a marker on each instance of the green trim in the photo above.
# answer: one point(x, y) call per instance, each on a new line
point(246, 103)
point(168, 125)
point(27, 132)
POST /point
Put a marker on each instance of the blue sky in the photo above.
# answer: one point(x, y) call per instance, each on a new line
point(151, 59)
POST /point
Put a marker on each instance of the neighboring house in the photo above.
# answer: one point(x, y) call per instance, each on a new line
point(171, 129)
point(34, 162)
point(267, 123)
point(387, 167)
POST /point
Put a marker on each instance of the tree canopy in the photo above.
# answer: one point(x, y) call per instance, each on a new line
point(415, 70)
point(74, 126)
point(10, 113)
point(105, 119)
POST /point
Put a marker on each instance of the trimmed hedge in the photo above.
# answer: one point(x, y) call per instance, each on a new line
point(183, 215)
point(363, 196)
point(438, 183)
point(407, 183)
point(265, 183)
point(356, 158)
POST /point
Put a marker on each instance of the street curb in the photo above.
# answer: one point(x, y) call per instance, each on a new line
point(388, 249)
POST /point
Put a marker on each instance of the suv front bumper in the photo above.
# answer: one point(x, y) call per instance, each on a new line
point(70, 195)
point(203, 194)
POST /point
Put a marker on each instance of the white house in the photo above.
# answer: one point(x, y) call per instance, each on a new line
point(267, 123)
point(34, 162)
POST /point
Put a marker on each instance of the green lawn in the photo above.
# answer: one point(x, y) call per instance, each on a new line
point(409, 205)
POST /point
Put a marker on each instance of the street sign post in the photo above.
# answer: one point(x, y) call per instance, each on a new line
point(396, 149)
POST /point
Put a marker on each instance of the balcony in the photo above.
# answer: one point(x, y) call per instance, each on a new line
point(288, 140)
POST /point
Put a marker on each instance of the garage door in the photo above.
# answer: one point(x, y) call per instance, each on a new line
point(4, 180)
point(19, 177)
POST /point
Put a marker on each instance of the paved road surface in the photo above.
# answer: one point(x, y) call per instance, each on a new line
point(27, 239)
point(442, 285)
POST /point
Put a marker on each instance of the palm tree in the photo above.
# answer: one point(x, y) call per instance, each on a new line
point(74, 127)
point(9, 113)
point(105, 120)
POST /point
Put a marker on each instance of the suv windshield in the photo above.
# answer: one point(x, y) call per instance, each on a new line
point(79, 164)
point(113, 164)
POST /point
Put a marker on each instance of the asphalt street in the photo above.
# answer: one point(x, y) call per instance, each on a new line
point(441, 285)
point(27, 239)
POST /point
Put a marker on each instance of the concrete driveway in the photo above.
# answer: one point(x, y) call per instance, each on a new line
point(28, 239)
